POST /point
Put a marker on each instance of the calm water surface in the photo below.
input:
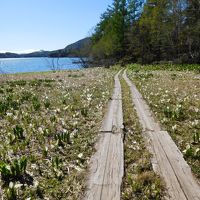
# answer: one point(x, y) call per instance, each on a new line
point(17, 65)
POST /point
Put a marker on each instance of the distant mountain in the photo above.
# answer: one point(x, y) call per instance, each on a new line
point(77, 49)
point(36, 54)
point(26, 55)
point(9, 55)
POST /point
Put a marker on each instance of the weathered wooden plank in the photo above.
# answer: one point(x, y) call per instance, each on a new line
point(117, 121)
point(143, 111)
point(114, 169)
point(164, 167)
point(179, 166)
point(107, 121)
point(97, 169)
point(107, 164)
point(114, 109)
point(167, 160)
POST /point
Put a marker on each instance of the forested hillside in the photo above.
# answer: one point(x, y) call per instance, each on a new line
point(149, 31)
point(80, 48)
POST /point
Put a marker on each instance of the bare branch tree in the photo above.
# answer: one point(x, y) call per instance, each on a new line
point(1, 70)
point(53, 64)
point(82, 62)
point(3, 74)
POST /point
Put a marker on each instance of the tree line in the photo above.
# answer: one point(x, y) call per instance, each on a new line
point(148, 31)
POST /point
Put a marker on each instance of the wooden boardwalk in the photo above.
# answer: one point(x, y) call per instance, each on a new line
point(107, 165)
point(167, 160)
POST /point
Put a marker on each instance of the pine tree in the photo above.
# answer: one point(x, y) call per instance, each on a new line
point(149, 31)
point(192, 31)
point(109, 35)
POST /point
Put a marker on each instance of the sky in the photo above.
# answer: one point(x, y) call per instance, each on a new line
point(31, 25)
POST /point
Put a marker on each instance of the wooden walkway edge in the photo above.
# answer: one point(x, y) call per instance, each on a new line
point(106, 167)
point(167, 160)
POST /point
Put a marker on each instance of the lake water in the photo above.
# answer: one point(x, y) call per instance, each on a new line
point(17, 65)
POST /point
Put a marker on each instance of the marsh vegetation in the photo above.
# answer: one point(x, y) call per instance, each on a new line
point(49, 122)
point(173, 93)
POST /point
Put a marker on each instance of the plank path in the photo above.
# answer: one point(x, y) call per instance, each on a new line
point(167, 160)
point(106, 167)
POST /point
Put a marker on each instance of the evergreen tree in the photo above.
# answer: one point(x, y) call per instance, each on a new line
point(109, 34)
point(149, 31)
point(192, 31)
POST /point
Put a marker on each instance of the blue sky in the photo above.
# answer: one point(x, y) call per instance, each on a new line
point(27, 25)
